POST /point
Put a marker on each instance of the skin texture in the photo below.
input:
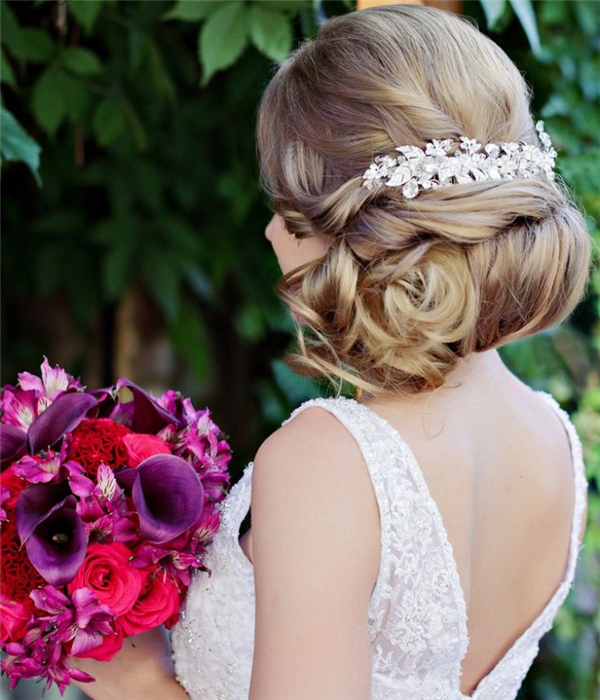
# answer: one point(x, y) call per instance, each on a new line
point(500, 472)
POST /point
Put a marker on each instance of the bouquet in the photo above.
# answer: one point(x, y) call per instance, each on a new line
point(107, 505)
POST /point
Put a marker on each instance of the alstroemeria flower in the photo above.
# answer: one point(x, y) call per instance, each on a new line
point(53, 382)
point(19, 407)
point(168, 496)
point(46, 466)
point(82, 619)
point(40, 653)
point(50, 528)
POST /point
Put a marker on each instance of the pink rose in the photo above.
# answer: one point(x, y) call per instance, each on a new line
point(107, 572)
point(141, 446)
point(109, 647)
point(158, 602)
point(13, 617)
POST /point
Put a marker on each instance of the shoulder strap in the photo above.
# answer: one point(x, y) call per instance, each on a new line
point(581, 483)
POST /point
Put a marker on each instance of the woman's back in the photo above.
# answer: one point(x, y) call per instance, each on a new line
point(497, 462)
point(469, 526)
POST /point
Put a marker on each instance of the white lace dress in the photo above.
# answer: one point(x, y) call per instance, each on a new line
point(417, 613)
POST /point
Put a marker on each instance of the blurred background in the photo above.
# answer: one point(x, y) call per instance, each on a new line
point(133, 223)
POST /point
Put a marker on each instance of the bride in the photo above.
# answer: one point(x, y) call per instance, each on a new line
point(415, 543)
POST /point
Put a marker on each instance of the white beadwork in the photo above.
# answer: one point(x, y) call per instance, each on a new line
point(416, 169)
point(417, 614)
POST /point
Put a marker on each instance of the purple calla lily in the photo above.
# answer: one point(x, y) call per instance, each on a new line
point(13, 444)
point(168, 496)
point(148, 415)
point(63, 415)
point(50, 528)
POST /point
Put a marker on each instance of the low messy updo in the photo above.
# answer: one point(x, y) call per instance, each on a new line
point(407, 287)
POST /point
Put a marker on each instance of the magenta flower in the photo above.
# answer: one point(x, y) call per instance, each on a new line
point(23, 404)
point(103, 508)
point(50, 528)
point(82, 619)
point(19, 407)
point(167, 494)
point(46, 466)
point(40, 655)
point(53, 382)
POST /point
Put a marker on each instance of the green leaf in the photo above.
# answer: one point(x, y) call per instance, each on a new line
point(17, 145)
point(493, 10)
point(49, 100)
point(524, 11)
point(136, 125)
point(191, 338)
point(162, 280)
point(11, 30)
point(271, 32)
point(291, 6)
point(118, 269)
point(223, 38)
point(6, 72)
point(295, 387)
point(81, 61)
point(191, 10)
point(78, 98)
point(109, 121)
point(85, 12)
point(36, 45)
point(158, 71)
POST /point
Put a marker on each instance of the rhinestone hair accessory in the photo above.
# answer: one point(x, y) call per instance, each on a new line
point(416, 169)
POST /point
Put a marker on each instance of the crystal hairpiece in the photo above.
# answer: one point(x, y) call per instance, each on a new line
point(417, 169)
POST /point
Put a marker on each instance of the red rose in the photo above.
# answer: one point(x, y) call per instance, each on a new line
point(106, 571)
point(109, 647)
point(97, 441)
point(141, 446)
point(13, 617)
point(159, 601)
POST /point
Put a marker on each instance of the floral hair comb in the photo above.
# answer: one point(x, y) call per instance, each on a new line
point(416, 169)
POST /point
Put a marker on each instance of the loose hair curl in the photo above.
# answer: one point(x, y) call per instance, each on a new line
point(407, 287)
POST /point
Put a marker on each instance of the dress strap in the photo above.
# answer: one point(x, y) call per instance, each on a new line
point(581, 484)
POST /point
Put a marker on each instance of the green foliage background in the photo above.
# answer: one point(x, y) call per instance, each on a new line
point(128, 161)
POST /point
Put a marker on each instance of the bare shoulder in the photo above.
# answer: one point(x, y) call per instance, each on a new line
point(316, 542)
point(309, 479)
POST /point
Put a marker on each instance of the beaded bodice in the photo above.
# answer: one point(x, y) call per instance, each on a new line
point(417, 613)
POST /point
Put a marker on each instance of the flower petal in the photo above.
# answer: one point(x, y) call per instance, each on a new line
point(13, 441)
point(57, 546)
point(148, 416)
point(61, 416)
point(37, 502)
point(168, 496)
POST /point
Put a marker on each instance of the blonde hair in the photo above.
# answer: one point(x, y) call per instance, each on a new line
point(408, 287)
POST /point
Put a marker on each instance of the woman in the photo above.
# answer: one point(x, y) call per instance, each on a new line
point(416, 543)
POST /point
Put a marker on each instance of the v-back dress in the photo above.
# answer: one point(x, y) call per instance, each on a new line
point(417, 612)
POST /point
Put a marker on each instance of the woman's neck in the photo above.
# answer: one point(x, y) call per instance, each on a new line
point(482, 371)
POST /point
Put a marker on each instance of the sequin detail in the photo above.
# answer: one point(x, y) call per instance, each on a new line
point(417, 613)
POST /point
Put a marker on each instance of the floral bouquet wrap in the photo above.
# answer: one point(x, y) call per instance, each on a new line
point(109, 500)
